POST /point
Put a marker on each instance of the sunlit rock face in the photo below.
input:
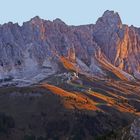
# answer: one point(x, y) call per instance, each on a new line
point(34, 48)
point(120, 43)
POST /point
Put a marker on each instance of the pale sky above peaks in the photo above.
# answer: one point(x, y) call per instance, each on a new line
point(72, 12)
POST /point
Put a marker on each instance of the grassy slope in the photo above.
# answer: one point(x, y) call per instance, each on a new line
point(59, 110)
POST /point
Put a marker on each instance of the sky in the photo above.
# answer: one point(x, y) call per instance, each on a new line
point(72, 12)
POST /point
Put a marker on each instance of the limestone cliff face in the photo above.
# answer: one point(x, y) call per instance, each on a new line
point(72, 55)
point(34, 47)
point(120, 43)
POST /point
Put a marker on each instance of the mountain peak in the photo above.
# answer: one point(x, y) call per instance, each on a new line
point(36, 19)
point(58, 21)
point(111, 18)
point(110, 13)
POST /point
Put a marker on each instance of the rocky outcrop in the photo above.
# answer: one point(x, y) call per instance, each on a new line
point(34, 48)
point(119, 42)
point(72, 55)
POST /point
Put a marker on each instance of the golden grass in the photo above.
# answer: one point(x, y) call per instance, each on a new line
point(72, 100)
point(67, 64)
point(114, 102)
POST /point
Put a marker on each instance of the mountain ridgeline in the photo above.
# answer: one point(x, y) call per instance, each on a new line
point(32, 51)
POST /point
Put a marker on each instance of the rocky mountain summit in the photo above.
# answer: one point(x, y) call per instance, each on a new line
point(32, 52)
point(119, 42)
